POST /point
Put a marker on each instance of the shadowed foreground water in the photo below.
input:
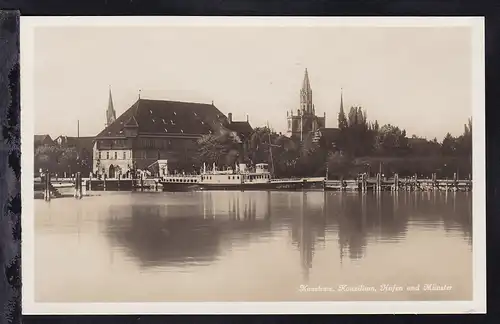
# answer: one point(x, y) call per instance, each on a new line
point(253, 246)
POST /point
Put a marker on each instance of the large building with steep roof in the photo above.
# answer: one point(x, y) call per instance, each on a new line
point(152, 130)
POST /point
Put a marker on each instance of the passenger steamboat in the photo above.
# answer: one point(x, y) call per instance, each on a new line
point(239, 178)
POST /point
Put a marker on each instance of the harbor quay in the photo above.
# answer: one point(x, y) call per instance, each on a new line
point(47, 187)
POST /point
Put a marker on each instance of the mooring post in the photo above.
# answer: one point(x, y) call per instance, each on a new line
point(84, 187)
point(396, 182)
point(364, 182)
point(118, 181)
point(47, 186)
point(104, 182)
point(378, 183)
point(90, 182)
point(142, 182)
point(80, 184)
point(77, 186)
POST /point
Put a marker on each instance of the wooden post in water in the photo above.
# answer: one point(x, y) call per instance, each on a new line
point(75, 178)
point(396, 182)
point(90, 182)
point(364, 182)
point(104, 182)
point(118, 181)
point(84, 187)
point(434, 182)
point(378, 183)
point(46, 193)
point(142, 181)
point(78, 185)
point(455, 181)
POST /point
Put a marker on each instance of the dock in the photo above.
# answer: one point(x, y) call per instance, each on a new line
point(78, 187)
point(379, 183)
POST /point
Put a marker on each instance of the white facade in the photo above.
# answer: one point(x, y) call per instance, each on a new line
point(111, 162)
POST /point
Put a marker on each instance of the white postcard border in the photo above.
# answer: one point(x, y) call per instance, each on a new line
point(477, 305)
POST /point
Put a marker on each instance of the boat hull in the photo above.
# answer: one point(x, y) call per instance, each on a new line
point(176, 187)
point(283, 186)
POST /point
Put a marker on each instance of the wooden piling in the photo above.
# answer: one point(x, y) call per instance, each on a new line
point(47, 187)
point(78, 185)
point(104, 182)
point(142, 181)
point(118, 181)
point(90, 183)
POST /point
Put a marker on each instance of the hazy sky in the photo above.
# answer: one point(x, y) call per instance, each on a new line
point(418, 78)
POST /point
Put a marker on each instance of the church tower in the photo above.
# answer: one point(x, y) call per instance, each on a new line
point(305, 121)
point(110, 112)
point(306, 104)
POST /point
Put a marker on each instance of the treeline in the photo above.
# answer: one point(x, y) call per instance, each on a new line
point(361, 146)
point(61, 159)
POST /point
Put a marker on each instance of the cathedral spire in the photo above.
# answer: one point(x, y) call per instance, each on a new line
point(305, 84)
point(110, 112)
point(306, 105)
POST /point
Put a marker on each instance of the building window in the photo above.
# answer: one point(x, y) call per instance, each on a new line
point(116, 155)
point(124, 155)
point(107, 155)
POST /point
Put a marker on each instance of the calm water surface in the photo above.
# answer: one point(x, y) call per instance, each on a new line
point(252, 246)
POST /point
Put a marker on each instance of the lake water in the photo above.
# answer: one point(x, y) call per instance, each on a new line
point(254, 246)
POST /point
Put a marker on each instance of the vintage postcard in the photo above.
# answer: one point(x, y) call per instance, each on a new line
point(253, 165)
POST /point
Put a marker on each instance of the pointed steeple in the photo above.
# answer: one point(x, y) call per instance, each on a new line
point(305, 84)
point(341, 101)
point(342, 119)
point(110, 112)
point(306, 105)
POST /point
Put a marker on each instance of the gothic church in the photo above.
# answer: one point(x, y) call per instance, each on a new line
point(304, 121)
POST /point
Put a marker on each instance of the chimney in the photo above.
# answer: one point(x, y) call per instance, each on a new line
point(230, 117)
point(247, 118)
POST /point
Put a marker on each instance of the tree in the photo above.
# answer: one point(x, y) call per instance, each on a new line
point(221, 149)
point(449, 145)
point(391, 140)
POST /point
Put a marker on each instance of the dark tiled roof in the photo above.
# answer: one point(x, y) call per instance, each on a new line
point(329, 133)
point(43, 139)
point(241, 127)
point(155, 117)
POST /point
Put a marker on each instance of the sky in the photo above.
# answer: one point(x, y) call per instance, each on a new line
point(417, 78)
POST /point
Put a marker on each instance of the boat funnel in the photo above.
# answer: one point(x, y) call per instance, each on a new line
point(242, 167)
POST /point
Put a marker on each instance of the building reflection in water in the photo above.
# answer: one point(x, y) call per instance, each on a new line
point(214, 223)
point(198, 233)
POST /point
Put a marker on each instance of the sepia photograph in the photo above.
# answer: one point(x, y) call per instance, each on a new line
point(253, 165)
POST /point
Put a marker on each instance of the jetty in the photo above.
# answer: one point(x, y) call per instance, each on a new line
point(378, 183)
point(47, 187)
